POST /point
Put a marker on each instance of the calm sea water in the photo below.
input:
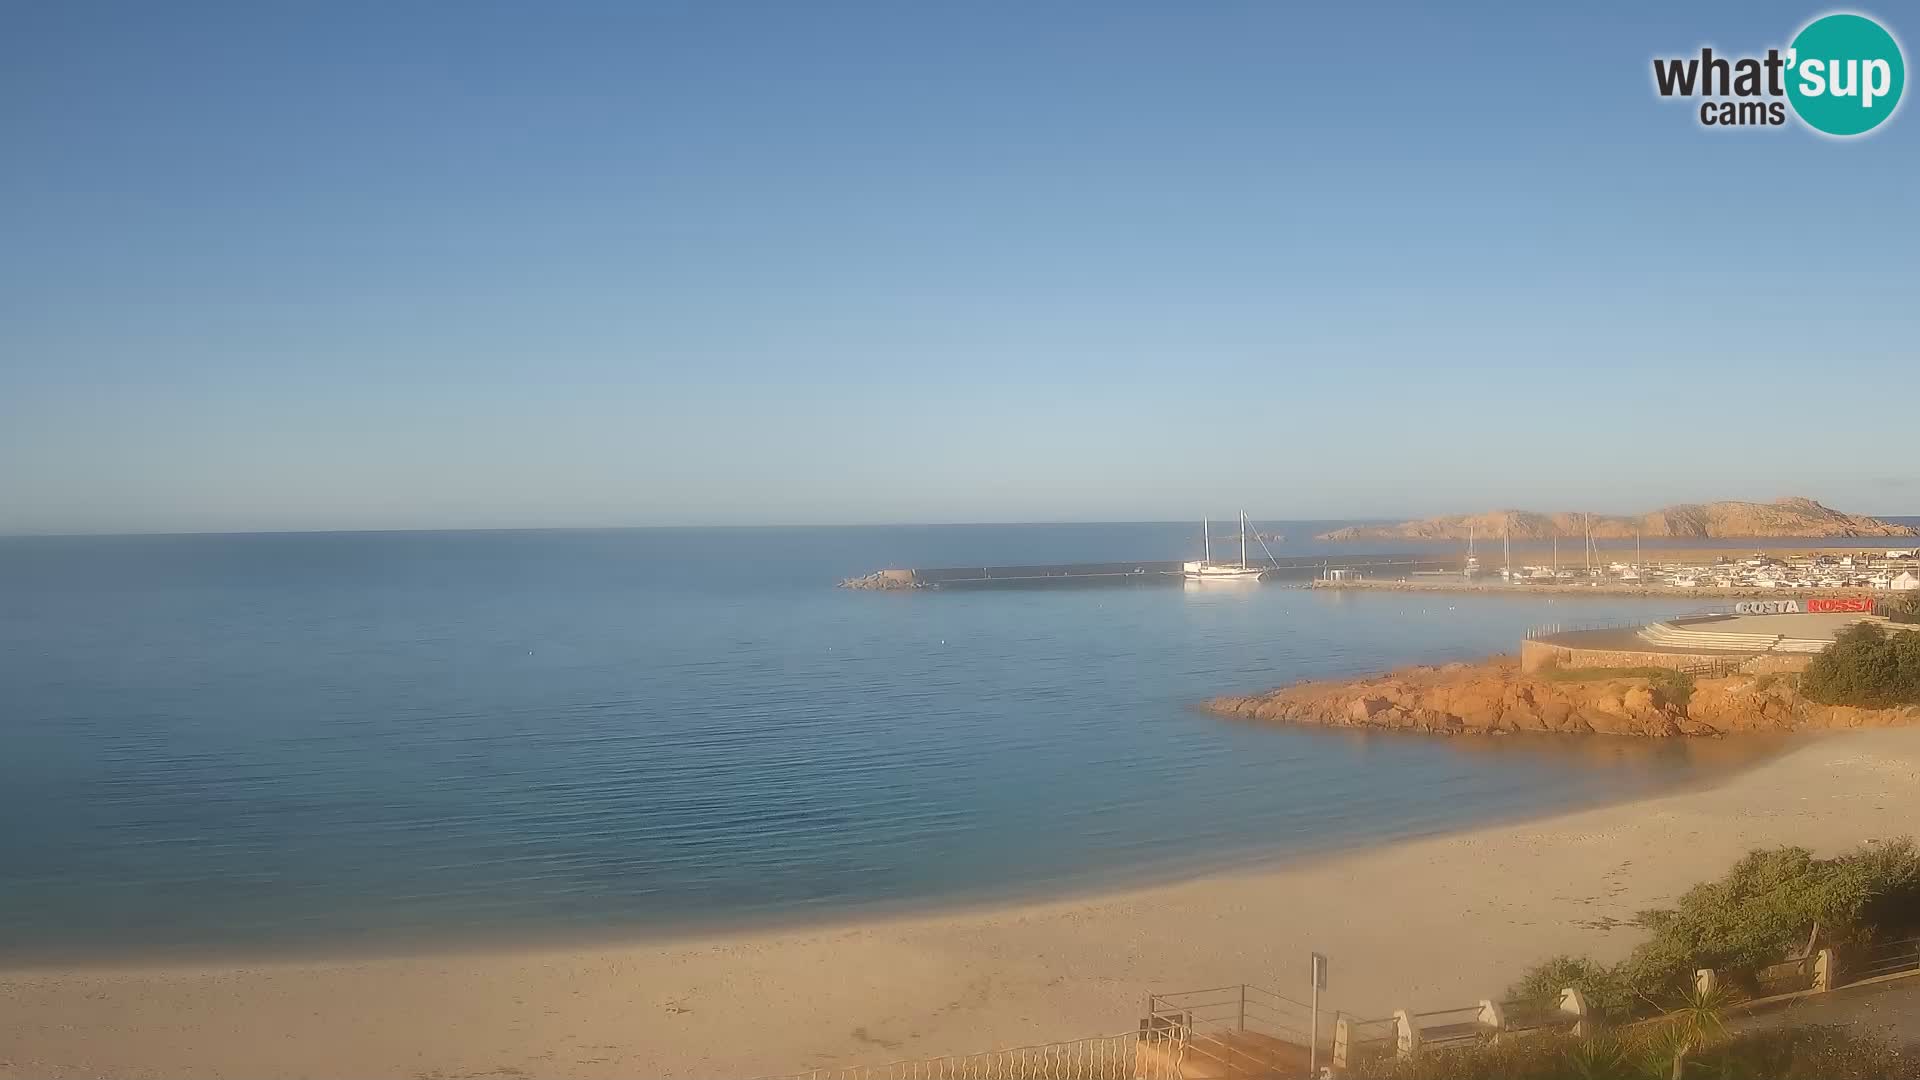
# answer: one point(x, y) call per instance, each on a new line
point(334, 739)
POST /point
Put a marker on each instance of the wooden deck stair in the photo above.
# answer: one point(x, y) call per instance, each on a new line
point(1243, 1055)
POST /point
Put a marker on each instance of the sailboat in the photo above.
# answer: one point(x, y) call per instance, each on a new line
point(1208, 570)
point(1473, 563)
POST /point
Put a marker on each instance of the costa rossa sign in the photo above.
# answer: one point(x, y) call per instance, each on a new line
point(1860, 604)
point(1816, 605)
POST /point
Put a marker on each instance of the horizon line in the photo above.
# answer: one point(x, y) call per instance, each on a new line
point(688, 527)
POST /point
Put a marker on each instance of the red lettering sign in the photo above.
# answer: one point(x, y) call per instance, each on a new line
point(1860, 604)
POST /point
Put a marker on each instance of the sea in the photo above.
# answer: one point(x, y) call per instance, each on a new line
point(266, 743)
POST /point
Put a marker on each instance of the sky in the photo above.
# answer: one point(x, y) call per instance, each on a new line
point(437, 265)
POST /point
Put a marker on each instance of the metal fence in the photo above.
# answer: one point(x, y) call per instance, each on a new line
point(1356, 1042)
point(1549, 629)
point(1889, 958)
point(1451, 1027)
point(1236, 1008)
point(1241, 1030)
point(1623, 622)
point(1135, 1055)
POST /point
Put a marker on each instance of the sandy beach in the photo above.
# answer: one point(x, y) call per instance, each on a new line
point(1420, 924)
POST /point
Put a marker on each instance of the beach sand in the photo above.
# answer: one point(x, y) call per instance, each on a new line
point(1422, 924)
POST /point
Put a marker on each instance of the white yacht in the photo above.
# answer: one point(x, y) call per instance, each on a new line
point(1208, 570)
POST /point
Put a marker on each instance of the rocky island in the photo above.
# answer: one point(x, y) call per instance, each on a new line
point(1790, 517)
point(1494, 697)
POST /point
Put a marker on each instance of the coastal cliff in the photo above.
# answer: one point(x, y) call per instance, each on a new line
point(1790, 517)
point(1495, 698)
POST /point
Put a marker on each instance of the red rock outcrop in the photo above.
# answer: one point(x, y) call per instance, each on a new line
point(1494, 697)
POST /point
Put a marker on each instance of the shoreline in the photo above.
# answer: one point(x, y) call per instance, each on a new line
point(1490, 900)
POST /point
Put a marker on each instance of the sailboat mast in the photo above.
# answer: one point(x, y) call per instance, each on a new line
point(1206, 537)
point(1243, 539)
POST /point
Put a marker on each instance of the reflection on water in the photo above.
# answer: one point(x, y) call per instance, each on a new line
point(1709, 756)
point(268, 740)
point(1705, 757)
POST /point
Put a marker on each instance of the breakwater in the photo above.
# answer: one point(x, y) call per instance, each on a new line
point(1147, 572)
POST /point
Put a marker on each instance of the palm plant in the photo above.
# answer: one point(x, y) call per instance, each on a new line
point(1694, 1024)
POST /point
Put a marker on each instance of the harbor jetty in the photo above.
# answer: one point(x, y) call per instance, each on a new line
point(1301, 568)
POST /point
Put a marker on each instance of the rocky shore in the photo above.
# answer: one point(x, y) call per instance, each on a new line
point(883, 580)
point(1494, 697)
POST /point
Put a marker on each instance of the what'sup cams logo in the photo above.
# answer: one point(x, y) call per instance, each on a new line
point(1842, 76)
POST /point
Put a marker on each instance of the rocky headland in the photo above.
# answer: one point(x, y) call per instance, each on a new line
point(1790, 517)
point(1494, 697)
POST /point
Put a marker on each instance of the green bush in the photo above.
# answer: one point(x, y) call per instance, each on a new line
point(1867, 666)
point(1760, 913)
point(1763, 910)
point(1676, 685)
point(1802, 1053)
point(1539, 989)
point(1904, 608)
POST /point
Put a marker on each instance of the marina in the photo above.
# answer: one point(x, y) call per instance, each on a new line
point(1762, 572)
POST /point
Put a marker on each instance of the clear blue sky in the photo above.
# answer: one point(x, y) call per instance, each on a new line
point(436, 264)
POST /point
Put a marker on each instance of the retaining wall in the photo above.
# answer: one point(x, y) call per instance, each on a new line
point(1535, 655)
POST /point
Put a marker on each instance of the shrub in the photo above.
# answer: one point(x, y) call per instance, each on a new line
point(1799, 1053)
point(1904, 608)
point(1762, 911)
point(1676, 685)
point(1866, 666)
point(1539, 989)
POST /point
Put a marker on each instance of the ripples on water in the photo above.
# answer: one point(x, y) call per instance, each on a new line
point(360, 738)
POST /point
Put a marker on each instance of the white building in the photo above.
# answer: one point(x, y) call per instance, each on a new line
point(1906, 580)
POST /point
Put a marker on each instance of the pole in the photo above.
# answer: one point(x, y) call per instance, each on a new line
point(1319, 964)
point(1313, 1040)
